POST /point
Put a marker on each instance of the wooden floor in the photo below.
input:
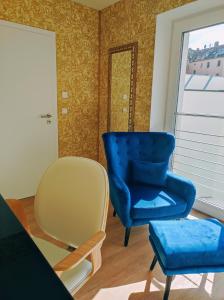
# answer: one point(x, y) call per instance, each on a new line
point(124, 274)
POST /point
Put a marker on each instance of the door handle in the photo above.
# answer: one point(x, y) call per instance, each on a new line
point(46, 116)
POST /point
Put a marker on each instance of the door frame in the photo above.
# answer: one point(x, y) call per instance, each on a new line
point(28, 28)
point(162, 59)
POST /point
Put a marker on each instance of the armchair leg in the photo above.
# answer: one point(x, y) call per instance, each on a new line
point(127, 235)
point(167, 289)
point(114, 213)
point(153, 263)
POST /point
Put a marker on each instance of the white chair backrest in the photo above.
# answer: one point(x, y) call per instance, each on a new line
point(72, 200)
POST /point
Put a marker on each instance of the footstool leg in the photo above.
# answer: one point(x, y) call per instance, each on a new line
point(168, 285)
point(153, 263)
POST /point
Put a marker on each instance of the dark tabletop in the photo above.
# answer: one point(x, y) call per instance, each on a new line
point(24, 272)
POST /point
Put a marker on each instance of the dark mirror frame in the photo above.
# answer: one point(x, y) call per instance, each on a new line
point(133, 47)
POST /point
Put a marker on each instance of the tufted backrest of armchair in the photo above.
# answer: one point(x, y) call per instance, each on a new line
point(122, 147)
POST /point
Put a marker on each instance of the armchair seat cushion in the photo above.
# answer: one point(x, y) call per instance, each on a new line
point(194, 245)
point(72, 278)
point(152, 203)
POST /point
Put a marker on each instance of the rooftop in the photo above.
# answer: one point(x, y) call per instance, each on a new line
point(206, 53)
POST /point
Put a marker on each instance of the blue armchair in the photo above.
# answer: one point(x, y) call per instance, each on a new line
point(141, 187)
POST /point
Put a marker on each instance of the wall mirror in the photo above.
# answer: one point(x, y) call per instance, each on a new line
point(122, 87)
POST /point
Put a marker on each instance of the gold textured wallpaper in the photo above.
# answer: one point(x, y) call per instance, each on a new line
point(120, 90)
point(77, 35)
point(125, 22)
point(78, 44)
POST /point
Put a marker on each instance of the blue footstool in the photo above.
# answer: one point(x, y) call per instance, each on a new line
point(187, 247)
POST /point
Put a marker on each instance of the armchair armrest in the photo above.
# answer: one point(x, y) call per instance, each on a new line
point(183, 187)
point(79, 254)
point(121, 199)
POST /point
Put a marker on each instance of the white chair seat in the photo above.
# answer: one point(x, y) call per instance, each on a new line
point(53, 254)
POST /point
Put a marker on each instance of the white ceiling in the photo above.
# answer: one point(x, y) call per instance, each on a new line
point(97, 4)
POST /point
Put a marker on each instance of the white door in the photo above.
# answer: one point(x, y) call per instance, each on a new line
point(28, 107)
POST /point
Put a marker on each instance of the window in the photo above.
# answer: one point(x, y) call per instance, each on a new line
point(198, 131)
point(219, 63)
point(184, 117)
point(201, 65)
point(171, 24)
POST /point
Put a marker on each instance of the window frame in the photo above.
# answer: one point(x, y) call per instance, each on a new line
point(168, 51)
point(163, 49)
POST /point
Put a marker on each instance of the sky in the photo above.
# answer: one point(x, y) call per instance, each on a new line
point(206, 36)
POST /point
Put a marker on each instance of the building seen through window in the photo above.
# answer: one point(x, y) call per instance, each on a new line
point(207, 60)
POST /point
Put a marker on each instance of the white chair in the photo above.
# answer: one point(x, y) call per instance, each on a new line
point(71, 206)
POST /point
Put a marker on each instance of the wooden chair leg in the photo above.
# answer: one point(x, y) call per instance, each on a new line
point(167, 289)
point(127, 235)
point(114, 213)
point(152, 266)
